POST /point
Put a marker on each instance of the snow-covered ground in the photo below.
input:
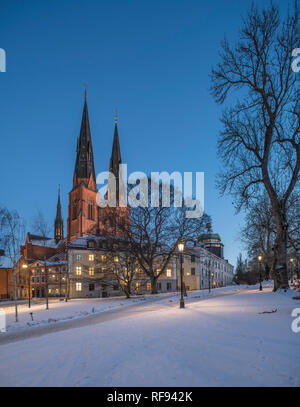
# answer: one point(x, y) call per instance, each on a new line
point(219, 340)
point(60, 311)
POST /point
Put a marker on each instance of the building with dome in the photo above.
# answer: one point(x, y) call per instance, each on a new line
point(211, 241)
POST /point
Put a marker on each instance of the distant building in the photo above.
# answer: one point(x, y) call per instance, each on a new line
point(6, 277)
point(91, 274)
point(204, 265)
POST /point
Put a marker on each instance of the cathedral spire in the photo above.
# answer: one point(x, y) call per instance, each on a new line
point(115, 159)
point(59, 223)
point(84, 165)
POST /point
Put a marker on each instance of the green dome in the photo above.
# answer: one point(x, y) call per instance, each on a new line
point(209, 236)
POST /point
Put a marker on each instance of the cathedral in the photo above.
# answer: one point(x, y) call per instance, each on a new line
point(76, 265)
point(84, 215)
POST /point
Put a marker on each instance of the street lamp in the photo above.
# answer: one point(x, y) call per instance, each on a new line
point(181, 249)
point(259, 260)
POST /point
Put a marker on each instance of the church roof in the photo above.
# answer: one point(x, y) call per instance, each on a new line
point(44, 241)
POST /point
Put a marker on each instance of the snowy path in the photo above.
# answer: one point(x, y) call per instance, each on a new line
point(217, 341)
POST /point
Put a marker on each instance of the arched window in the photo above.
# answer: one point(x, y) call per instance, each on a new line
point(90, 210)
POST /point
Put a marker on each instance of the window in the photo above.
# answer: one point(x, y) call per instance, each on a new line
point(91, 287)
point(90, 210)
point(115, 287)
point(91, 257)
point(116, 259)
point(78, 257)
point(37, 280)
point(74, 210)
point(57, 291)
point(159, 286)
point(91, 243)
point(103, 257)
point(49, 291)
point(193, 271)
point(148, 286)
point(78, 286)
point(32, 279)
point(138, 286)
point(78, 270)
point(192, 259)
point(169, 273)
point(169, 286)
point(157, 271)
point(91, 271)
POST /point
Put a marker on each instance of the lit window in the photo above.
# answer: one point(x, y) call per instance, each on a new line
point(56, 291)
point(78, 270)
point(116, 259)
point(148, 286)
point(49, 291)
point(103, 257)
point(91, 271)
point(157, 271)
point(138, 286)
point(91, 257)
point(169, 273)
point(64, 290)
point(78, 286)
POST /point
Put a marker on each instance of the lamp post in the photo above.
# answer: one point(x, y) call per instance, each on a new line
point(259, 260)
point(292, 269)
point(181, 249)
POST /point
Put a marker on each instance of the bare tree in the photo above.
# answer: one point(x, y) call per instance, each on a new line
point(122, 263)
point(12, 235)
point(152, 232)
point(259, 144)
point(259, 234)
point(40, 225)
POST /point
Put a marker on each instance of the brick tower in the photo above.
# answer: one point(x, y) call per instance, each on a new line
point(120, 211)
point(83, 216)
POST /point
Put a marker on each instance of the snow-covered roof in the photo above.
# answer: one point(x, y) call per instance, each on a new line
point(5, 262)
point(56, 259)
point(83, 240)
point(45, 241)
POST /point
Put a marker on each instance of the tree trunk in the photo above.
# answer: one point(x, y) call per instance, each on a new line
point(281, 257)
point(154, 284)
point(267, 271)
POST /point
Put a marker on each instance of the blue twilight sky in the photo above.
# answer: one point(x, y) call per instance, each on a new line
point(149, 59)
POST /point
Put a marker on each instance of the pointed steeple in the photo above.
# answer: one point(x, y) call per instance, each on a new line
point(59, 223)
point(84, 165)
point(115, 159)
